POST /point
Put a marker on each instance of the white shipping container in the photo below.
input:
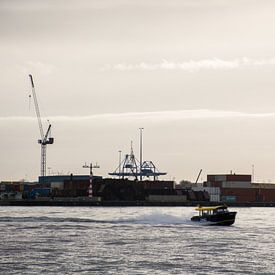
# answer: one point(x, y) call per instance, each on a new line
point(210, 190)
point(236, 184)
point(215, 198)
point(263, 185)
point(220, 178)
point(214, 190)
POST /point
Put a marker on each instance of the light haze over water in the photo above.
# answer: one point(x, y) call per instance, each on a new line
point(133, 240)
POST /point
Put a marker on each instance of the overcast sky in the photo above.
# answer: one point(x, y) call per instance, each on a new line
point(198, 75)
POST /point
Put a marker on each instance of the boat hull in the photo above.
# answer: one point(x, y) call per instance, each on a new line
point(223, 219)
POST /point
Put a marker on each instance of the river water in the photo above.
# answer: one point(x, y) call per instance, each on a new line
point(133, 240)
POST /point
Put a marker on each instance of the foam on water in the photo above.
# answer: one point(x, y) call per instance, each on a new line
point(156, 218)
point(153, 218)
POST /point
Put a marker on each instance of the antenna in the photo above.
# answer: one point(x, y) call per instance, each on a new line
point(91, 166)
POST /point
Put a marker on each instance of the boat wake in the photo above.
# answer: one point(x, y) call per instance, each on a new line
point(150, 219)
point(155, 219)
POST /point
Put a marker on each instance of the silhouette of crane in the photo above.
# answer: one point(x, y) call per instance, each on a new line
point(45, 139)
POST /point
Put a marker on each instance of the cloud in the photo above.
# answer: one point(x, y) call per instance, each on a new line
point(34, 5)
point(193, 65)
point(161, 116)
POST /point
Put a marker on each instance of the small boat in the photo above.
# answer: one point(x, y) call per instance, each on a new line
point(214, 215)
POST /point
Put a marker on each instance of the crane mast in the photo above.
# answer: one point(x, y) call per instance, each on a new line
point(45, 139)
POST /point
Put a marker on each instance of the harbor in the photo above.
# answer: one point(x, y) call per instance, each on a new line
point(134, 182)
point(86, 190)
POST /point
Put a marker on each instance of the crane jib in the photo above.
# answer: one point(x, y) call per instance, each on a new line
point(31, 80)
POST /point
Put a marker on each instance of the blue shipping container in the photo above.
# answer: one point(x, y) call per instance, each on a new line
point(229, 199)
point(41, 192)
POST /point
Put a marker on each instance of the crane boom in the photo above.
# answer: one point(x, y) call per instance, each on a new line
point(37, 108)
point(198, 176)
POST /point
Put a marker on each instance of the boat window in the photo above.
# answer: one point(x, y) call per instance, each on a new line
point(222, 210)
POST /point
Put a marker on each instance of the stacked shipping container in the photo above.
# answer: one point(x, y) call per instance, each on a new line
point(238, 188)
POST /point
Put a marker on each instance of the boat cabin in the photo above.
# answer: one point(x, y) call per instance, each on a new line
point(211, 210)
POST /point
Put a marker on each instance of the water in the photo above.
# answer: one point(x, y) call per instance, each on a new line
point(133, 240)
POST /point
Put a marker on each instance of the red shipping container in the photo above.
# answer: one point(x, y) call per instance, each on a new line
point(234, 177)
point(268, 195)
point(242, 194)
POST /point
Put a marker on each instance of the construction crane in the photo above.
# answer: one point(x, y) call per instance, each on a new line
point(45, 139)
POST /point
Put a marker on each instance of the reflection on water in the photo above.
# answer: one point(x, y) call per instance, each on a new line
point(133, 240)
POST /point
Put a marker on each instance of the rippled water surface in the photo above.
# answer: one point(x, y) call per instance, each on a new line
point(133, 240)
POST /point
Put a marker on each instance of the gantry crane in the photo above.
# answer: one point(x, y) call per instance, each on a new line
point(45, 139)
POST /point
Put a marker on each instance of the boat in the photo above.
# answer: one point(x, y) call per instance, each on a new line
point(214, 215)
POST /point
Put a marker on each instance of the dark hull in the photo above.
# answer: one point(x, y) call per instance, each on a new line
point(224, 219)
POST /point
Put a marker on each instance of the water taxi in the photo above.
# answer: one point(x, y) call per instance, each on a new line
point(214, 215)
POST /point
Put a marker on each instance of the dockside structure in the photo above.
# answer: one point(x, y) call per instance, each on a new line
point(226, 188)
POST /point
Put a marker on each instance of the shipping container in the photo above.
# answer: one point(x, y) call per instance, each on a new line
point(236, 184)
point(191, 195)
point(21, 188)
point(242, 194)
point(220, 178)
point(41, 192)
point(228, 177)
point(158, 184)
point(166, 198)
point(11, 195)
point(214, 198)
point(267, 195)
point(214, 178)
point(263, 185)
point(26, 188)
point(57, 185)
point(201, 196)
point(210, 190)
point(214, 184)
point(229, 199)
point(234, 177)
point(12, 187)
point(76, 185)
point(210, 178)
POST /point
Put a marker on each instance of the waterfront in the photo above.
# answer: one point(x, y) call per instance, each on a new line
point(133, 240)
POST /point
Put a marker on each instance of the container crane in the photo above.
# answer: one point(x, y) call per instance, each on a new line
point(45, 139)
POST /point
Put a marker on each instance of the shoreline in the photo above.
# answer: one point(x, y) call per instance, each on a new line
point(74, 202)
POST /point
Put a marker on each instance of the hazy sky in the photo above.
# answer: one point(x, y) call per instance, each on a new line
point(198, 75)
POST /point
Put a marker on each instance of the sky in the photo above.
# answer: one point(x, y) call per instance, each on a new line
point(197, 75)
